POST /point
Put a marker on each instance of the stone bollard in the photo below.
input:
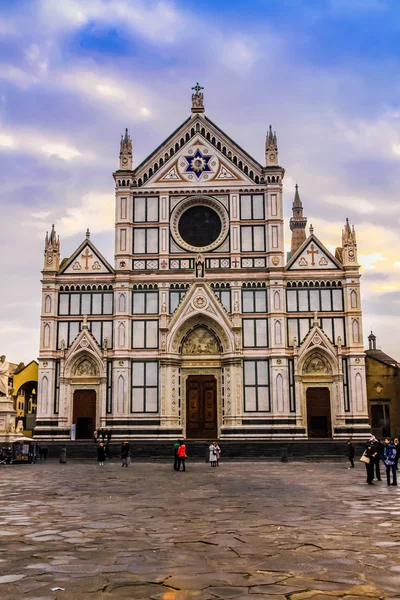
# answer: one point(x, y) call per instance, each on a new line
point(63, 456)
point(284, 456)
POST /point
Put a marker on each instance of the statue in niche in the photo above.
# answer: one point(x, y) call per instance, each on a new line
point(4, 374)
point(199, 266)
point(317, 364)
point(200, 341)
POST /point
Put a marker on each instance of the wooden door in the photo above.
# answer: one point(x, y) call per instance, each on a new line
point(84, 413)
point(201, 407)
point(319, 413)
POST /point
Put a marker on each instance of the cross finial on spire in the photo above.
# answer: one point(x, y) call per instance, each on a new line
point(311, 230)
point(87, 233)
point(197, 99)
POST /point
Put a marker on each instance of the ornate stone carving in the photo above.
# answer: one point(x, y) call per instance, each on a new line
point(85, 368)
point(200, 341)
point(200, 302)
point(317, 364)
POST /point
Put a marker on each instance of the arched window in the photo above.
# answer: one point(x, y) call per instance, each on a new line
point(353, 299)
point(47, 304)
point(279, 392)
point(122, 304)
point(278, 332)
point(44, 395)
point(356, 332)
point(46, 335)
point(120, 394)
point(277, 300)
point(359, 392)
point(121, 334)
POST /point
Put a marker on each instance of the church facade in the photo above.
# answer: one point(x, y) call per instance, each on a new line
point(202, 328)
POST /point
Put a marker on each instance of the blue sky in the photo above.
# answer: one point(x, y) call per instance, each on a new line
point(75, 73)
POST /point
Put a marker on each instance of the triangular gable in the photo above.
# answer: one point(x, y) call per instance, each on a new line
point(200, 298)
point(199, 163)
point(168, 163)
point(312, 255)
point(316, 337)
point(86, 342)
point(86, 260)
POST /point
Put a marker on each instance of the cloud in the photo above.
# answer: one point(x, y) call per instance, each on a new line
point(32, 142)
point(358, 205)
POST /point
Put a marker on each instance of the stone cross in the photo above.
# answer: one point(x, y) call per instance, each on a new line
point(86, 257)
point(312, 252)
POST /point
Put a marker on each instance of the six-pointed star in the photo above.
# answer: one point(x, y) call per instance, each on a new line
point(198, 164)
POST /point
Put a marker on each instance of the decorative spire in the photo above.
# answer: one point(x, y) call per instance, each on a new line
point(51, 251)
point(87, 234)
point(297, 223)
point(349, 245)
point(271, 148)
point(125, 152)
point(197, 99)
point(372, 341)
point(311, 230)
point(297, 202)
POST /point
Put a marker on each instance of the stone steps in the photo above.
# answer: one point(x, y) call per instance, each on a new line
point(198, 450)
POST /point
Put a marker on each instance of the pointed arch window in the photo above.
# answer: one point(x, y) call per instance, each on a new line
point(277, 301)
point(279, 393)
point(46, 335)
point(47, 304)
point(278, 332)
point(121, 394)
point(122, 303)
point(121, 334)
point(356, 331)
point(44, 395)
point(353, 299)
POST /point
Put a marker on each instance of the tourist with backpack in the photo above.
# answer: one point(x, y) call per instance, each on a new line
point(390, 461)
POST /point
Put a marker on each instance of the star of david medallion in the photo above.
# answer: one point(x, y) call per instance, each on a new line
point(197, 164)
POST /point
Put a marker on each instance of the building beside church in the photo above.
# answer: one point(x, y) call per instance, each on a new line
point(383, 391)
point(200, 327)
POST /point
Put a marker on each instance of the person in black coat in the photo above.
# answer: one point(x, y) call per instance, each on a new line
point(370, 452)
point(108, 435)
point(350, 454)
point(101, 454)
point(379, 449)
point(125, 454)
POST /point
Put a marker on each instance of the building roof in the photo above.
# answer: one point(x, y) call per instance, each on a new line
point(382, 357)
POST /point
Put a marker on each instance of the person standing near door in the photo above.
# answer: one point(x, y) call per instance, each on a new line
point(397, 446)
point(175, 452)
point(370, 452)
point(181, 456)
point(125, 454)
point(218, 451)
point(213, 455)
point(101, 454)
point(350, 454)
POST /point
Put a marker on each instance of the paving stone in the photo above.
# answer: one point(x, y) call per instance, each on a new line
point(253, 530)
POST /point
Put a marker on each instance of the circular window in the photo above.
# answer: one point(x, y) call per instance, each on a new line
point(199, 224)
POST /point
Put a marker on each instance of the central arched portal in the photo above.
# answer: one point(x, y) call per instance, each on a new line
point(201, 360)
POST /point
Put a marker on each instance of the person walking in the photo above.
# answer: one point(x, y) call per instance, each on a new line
point(350, 454)
point(175, 453)
point(390, 461)
point(125, 454)
point(218, 451)
point(181, 456)
point(397, 446)
point(370, 453)
point(101, 454)
point(213, 455)
point(44, 451)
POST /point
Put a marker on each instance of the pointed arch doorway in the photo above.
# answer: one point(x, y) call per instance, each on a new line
point(201, 382)
point(84, 413)
point(319, 420)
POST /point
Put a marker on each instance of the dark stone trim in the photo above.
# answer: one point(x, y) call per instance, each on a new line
point(46, 424)
point(366, 430)
point(52, 432)
point(351, 421)
point(269, 421)
point(144, 432)
point(133, 423)
point(262, 431)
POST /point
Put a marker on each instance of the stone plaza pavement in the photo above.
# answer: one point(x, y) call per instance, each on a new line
point(245, 530)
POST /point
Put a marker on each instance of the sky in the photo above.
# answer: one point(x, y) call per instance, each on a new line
point(75, 73)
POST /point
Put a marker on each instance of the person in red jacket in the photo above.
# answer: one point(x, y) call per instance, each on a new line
point(181, 456)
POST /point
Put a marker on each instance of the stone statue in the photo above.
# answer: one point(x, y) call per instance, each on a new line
point(11, 426)
point(4, 371)
point(199, 266)
point(20, 426)
point(197, 96)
